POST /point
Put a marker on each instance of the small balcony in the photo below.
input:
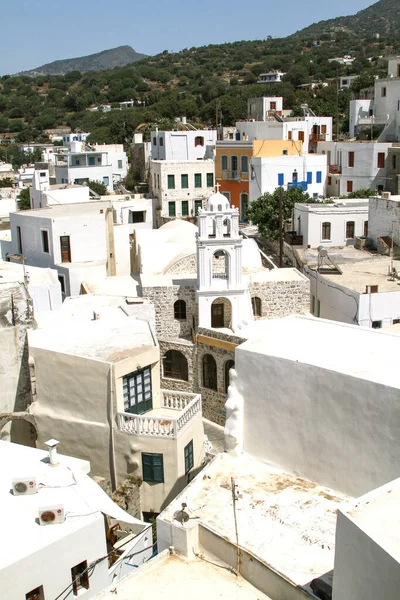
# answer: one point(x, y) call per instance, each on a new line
point(317, 137)
point(335, 169)
point(293, 239)
point(177, 410)
point(235, 175)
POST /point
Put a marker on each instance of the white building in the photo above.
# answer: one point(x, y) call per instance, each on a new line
point(104, 390)
point(384, 219)
point(307, 171)
point(355, 165)
point(57, 525)
point(335, 224)
point(69, 138)
point(183, 145)
point(181, 186)
point(271, 77)
point(346, 81)
point(43, 194)
point(353, 286)
point(361, 113)
point(343, 60)
point(308, 129)
point(8, 203)
point(219, 268)
point(117, 157)
point(82, 166)
point(261, 108)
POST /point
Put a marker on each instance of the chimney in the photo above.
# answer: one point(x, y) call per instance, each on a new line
point(52, 447)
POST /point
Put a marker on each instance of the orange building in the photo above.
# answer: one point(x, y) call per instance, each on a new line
point(233, 166)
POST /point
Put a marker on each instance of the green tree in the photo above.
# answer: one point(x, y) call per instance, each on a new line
point(98, 187)
point(264, 212)
point(7, 182)
point(362, 193)
point(23, 200)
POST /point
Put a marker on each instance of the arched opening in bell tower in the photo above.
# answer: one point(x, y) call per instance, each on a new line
point(220, 265)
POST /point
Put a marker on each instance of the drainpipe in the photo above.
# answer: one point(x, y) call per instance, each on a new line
point(113, 470)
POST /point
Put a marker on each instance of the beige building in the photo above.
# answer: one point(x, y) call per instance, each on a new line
point(96, 386)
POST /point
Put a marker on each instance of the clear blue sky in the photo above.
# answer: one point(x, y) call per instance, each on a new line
point(34, 32)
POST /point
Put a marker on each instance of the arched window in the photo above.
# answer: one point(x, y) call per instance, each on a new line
point(230, 364)
point(224, 162)
point(175, 365)
point(234, 163)
point(256, 304)
point(180, 310)
point(244, 164)
point(209, 372)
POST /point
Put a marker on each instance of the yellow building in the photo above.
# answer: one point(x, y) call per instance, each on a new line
point(233, 165)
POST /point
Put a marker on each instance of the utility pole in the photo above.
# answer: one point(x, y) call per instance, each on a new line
point(280, 227)
point(234, 500)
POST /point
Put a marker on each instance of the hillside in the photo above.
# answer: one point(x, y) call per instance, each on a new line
point(107, 59)
point(205, 82)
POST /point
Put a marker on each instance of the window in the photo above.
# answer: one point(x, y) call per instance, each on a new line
point(309, 177)
point(256, 305)
point(329, 180)
point(120, 164)
point(272, 106)
point(244, 164)
point(180, 310)
point(381, 160)
point(312, 304)
point(383, 92)
point(91, 161)
point(301, 136)
point(99, 159)
point(158, 181)
point(171, 182)
point(65, 247)
point(185, 208)
point(197, 204)
point(326, 231)
point(198, 140)
point(77, 161)
point(80, 577)
point(227, 196)
point(318, 313)
point(154, 141)
point(137, 216)
point(36, 594)
point(161, 142)
point(366, 228)
point(350, 157)
point(61, 279)
point(224, 163)
point(19, 240)
point(284, 152)
point(137, 391)
point(349, 186)
point(230, 364)
point(45, 241)
point(155, 180)
point(289, 135)
point(189, 457)
point(210, 179)
point(394, 161)
point(376, 324)
point(197, 180)
point(350, 228)
point(184, 181)
point(153, 467)
point(395, 321)
point(319, 176)
point(175, 365)
point(209, 372)
point(43, 174)
point(323, 128)
point(234, 163)
point(281, 179)
point(171, 209)
point(106, 180)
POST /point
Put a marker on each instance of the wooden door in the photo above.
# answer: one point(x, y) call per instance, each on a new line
point(217, 315)
point(65, 248)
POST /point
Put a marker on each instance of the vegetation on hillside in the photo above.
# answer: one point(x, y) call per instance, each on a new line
point(206, 83)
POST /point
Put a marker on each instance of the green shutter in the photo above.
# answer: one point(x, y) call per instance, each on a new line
point(210, 179)
point(153, 468)
point(197, 180)
point(171, 182)
point(185, 208)
point(184, 181)
point(158, 468)
point(197, 205)
point(189, 456)
point(171, 209)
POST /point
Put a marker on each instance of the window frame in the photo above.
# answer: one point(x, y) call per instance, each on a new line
point(171, 208)
point(189, 457)
point(350, 228)
point(326, 225)
point(185, 208)
point(19, 240)
point(210, 179)
point(149, 474)
point(197, 180)
point(256, 304)
point(350, 159)
point(171, 181)
point(197, 204)
point(199, 141)
point(80, 578)
point(184, 181)
point(132, 404)
point(174, 367)
point(224, 159)
point(349, 186)
point(44, 235)
point(180, 310)
point(209, 380)
point(244, 161)
point(380, 160)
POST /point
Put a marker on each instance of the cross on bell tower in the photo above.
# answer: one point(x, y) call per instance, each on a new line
point(223, 298)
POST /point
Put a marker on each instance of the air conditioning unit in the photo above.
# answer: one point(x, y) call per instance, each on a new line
point(386, 195)
point(23, 486)
point(51, 515)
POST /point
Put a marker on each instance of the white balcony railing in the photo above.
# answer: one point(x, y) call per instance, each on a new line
point(185, 405)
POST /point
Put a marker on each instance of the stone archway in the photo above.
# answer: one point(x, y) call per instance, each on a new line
point(25, 430)
point(221, 313)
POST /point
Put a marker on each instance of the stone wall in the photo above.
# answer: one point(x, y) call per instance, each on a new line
point(163, 298)
point(187, 265)
point(282, 298)
point(188, 349)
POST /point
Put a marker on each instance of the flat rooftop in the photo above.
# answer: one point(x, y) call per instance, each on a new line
point(286, 521)
point(11, 272)
point(173, 576)
point(377, 514)
point(359, 269)
point(337, 206)
point(356, 351)
point(67, 210)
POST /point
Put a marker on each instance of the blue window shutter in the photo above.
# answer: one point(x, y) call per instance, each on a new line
point(319, 176)
point(309, 176)
point(281, 179)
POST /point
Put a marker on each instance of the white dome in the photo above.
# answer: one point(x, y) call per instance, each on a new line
point(218, 203)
